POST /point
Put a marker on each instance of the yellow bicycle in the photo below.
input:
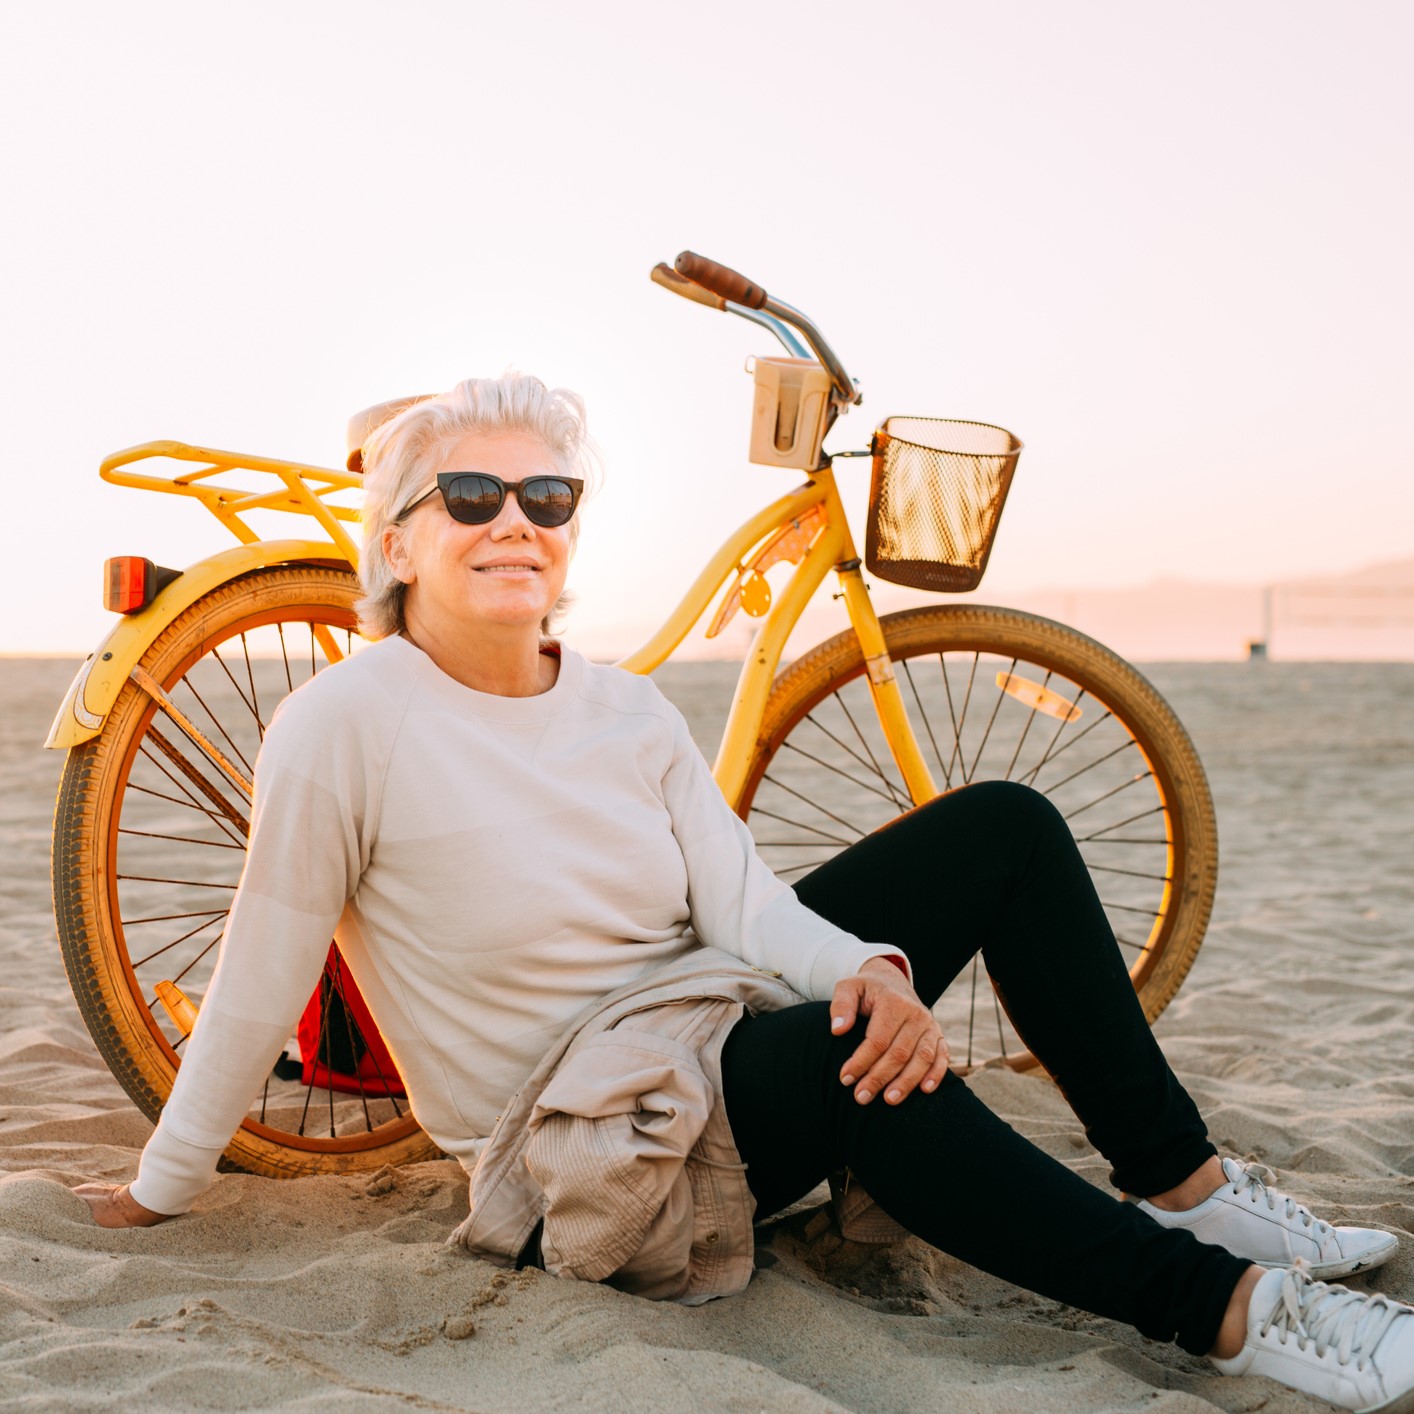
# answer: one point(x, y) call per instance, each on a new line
point(163, 721)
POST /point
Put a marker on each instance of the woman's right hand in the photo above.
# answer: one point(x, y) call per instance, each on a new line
point(113, 1206)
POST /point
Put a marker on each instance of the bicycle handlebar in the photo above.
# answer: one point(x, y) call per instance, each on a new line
point(720, 279)
point(720, 287)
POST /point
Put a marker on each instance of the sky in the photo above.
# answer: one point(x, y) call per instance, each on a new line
point(1167, 246)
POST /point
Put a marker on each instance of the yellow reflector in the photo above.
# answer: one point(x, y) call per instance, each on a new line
point(755, 594)
point(178, 1006)
point(1037, 698)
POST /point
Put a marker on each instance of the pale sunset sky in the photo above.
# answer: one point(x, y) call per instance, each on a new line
point(1168, 246)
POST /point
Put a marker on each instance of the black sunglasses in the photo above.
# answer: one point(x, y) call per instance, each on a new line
point(476, 497)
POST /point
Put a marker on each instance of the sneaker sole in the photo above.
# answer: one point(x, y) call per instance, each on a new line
point(1400, 1404)
point(1348, 1268)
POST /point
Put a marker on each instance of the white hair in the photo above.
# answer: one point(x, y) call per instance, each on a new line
point(401, 456)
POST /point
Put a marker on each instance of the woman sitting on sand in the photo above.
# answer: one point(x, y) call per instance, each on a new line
point(556, 918)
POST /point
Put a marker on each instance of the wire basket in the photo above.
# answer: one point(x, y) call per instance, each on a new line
point(935, 500)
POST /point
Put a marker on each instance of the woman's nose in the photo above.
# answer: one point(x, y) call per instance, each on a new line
point(511, 520)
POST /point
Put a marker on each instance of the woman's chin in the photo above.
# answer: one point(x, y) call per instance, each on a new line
point(510, 608)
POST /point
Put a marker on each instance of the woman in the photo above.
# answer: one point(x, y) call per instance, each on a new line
point(517, 847)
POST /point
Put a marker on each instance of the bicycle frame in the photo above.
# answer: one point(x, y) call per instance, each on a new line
point(783, 530)
point(831, 547)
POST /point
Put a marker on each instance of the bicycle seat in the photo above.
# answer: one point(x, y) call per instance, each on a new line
point(363, 424)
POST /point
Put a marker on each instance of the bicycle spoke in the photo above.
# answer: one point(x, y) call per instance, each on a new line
point(799, 824)
point(814, 805)
point(840, 771)
point(1090, 766)
point(188, 804)
point(183, 883)
point(1072, 741)
point(972, 1011)
point(922, 712)
point(216, 722)
point(1109, 794)
point(1046, 755)
point(251, 707)
point(1120, 824)
point(174, 917)
point(901, 799)
point(321, 1050)
point(211, 792)
point(987, 731)
point(797, 868)
point(1127, 908)
point(1095, 839)
point(372, 1054)
point(254, 697)
point(787, 844)
point(960, 720)
point(196, 959)
point(869, 765)
point(1133, 873)
point(182, 839)
point(216, 917)
point(285, 658)
point(1026, 727)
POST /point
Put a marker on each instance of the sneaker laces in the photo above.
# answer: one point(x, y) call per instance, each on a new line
point(1260, 1181)
point(1334, 1317)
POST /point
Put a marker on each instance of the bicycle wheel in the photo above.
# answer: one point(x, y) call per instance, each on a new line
point(997, 694)
point(149, 842)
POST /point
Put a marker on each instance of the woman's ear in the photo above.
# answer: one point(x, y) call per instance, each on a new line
point(395, 551)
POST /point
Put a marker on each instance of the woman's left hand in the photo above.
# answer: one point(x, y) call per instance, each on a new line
point(903, 1046)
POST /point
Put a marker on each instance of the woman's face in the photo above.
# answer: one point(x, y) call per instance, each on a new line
point(509, 571)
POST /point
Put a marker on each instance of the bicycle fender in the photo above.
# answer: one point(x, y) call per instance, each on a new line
point(97, 683)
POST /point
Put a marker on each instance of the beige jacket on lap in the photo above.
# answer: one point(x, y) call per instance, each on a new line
point(620, 1143)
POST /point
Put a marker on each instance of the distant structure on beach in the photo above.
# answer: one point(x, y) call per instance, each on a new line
point(1257, 647)
point(1360, 609)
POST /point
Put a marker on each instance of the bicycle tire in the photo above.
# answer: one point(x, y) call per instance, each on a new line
point(849, 762)
point(106, 794)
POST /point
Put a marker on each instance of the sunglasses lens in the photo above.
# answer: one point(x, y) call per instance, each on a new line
point(547, 500)
point(473, 500)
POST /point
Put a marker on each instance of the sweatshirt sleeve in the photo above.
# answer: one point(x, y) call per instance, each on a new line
point(737, 903)
point(308, 846)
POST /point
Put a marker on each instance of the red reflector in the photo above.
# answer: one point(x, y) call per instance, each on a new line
point(129, 583)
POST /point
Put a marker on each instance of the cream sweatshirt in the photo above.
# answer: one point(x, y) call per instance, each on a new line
point(489, 866)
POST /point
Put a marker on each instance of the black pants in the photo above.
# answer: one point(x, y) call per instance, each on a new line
point(992, 867)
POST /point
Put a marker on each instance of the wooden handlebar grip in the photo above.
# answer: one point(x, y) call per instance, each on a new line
point(669, 279)
point(720, 279)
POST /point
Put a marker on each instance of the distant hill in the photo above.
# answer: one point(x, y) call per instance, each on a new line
point(1365, 614)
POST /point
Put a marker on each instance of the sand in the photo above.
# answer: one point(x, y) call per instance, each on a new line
point(1295, 1032)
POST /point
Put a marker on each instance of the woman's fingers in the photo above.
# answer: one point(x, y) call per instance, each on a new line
point(844, 1004)
point(902, 1046)
point(113, 1206)
point(941, 1061)
point(901, 1066)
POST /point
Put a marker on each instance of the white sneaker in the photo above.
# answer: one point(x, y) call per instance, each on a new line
point(1342, 1346)
point(1251, 1219)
